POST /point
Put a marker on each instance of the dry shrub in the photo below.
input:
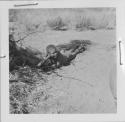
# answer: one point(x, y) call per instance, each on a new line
point(83, 23)
point(57, 24)
point(95, 20)
point(19, 56)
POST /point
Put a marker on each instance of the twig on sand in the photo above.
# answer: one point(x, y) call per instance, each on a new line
point(28, 34)
point(91, 85)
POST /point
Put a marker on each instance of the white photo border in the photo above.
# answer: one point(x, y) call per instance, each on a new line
point(4, 71)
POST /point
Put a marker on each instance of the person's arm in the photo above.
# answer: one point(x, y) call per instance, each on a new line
point(43, 61)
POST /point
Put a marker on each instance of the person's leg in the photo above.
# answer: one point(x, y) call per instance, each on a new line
point(73, 54)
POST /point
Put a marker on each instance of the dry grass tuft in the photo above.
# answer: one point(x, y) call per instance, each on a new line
point(26, 90)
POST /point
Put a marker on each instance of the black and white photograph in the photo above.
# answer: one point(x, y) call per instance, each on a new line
point(62, 61)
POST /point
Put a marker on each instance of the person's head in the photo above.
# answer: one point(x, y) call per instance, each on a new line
point(52, 51)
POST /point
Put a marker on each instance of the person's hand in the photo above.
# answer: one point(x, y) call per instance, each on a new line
point(57, 64)
point(40, 63)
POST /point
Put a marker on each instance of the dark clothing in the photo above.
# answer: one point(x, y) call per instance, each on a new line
point(61, 59)
point(64, 60)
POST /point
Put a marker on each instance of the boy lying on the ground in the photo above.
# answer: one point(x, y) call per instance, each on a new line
point(56, 58)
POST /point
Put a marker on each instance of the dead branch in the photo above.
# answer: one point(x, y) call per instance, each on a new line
point(73, 78)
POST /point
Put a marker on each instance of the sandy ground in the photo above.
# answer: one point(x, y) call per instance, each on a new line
point(82, 87)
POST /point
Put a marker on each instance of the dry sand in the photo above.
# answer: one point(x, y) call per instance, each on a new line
point(82, 87)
